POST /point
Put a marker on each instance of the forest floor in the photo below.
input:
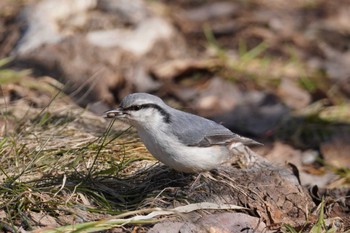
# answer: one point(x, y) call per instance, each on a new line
point(276, 71)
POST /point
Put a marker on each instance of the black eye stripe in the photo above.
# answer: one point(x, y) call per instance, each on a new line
point(141, 106)
point(134, 108)
point(164, 113)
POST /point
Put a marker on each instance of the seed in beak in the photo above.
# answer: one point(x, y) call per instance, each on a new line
point(113, 113)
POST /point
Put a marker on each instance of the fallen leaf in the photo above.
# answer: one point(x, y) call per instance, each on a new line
point(43, 219)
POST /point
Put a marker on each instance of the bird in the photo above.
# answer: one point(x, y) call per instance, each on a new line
point(183, 141)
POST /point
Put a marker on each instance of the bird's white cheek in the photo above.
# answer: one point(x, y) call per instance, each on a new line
point(136, 119)
point(129, 119)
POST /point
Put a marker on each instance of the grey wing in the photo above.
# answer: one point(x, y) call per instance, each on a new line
point(194, 130)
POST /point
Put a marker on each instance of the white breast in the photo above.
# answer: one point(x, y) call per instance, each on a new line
point(174, 154)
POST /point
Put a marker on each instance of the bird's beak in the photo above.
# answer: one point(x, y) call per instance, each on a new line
point(114, 113)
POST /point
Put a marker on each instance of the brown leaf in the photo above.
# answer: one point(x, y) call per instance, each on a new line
point(336, 152)
point(292, 95)
point(171, 69)
point(43, 219)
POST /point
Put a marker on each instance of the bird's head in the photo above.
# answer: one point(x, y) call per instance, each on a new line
point(141, 110)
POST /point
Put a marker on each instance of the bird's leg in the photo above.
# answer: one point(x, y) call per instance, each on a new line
point(196, 183)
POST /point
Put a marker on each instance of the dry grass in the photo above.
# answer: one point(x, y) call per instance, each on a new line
point(58, 160)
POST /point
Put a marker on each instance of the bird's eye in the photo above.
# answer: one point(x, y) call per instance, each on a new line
point(135, 107)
